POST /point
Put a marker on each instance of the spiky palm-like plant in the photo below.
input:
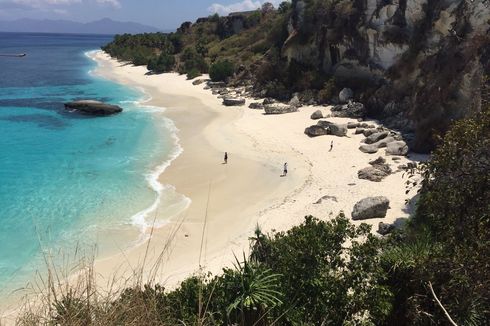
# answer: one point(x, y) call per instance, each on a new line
point(255, 291)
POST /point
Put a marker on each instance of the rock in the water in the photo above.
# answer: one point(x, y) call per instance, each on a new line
point(90, 107)
point(233, 101)
point(371, 207)
point(359, 130)
point(256, 106)
point(279, 109)
point(316, 130)
point(317, 115)
point(268, 101)
point(350, 110)
point(335, 129)
point(376, 137)
point(398, 148)
point(346, 95)
point(369, 149)
point(385, 228)
point(352, 125)
point(198, 81)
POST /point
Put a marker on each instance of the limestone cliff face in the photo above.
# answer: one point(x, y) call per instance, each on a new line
point(427, 58)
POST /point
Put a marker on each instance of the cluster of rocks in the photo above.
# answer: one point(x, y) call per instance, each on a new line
point(382, 138)
point(376, 172)
point(231, 96)
point(349, 110)
point(324, 127)
point(272, 107)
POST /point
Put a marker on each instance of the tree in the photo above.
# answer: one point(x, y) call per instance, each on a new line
point(325, 280)
point(221, 70)
point(163, 63)
point(284, 7)
point(267, 8)
point(447, 243)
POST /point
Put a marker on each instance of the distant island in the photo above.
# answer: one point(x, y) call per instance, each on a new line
point(102, 26)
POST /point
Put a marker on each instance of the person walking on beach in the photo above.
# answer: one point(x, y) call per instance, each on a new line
point(226, 158)
point(285, 173)
point(331, 146)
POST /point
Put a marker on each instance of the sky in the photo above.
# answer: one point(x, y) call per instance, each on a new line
point(164, 14)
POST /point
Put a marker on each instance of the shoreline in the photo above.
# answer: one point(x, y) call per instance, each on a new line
point(178, 103)
point(282, 203)
point(228, 201)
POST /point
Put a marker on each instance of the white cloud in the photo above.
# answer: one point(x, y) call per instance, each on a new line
point(113, 3)
point(245, 5)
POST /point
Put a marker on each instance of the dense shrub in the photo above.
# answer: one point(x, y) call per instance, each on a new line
point(221, 70)
point(448, 241)
point(193, 73)
point(192, 61)
point(163, 63)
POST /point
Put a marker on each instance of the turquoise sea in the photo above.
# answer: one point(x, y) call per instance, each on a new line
point(69, 181)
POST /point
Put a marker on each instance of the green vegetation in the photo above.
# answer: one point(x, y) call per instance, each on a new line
point(163, 63)
point(221, 70)
point(332, 272)
point(448, 241)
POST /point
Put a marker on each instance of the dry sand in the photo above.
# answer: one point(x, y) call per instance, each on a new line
point(248, 191)
point(228, 201)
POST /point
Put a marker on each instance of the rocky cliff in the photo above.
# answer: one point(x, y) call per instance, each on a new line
point(426, 58)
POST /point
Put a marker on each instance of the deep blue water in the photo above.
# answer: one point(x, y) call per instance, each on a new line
point(66, 179)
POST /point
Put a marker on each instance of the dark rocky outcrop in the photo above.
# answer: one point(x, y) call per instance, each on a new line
point(256, 106)
point(279, 109)
point(420, 64)
point(371, 207)
point(350, 110)
point(314, 131)
point(336, 129)
point(94, 108)
point(233, 101)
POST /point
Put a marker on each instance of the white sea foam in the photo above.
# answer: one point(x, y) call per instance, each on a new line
point(142, 219)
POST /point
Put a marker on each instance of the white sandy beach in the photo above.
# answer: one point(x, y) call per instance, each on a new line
point(249, 190)
point(228, 201)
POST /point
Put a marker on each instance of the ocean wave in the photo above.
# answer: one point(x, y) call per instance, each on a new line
point(141, 219)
